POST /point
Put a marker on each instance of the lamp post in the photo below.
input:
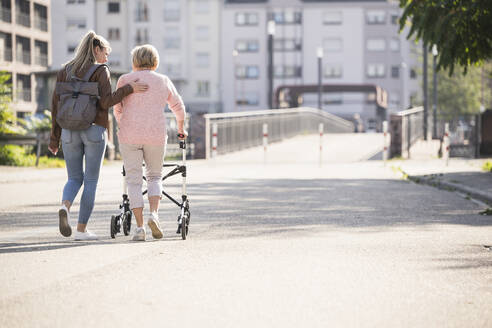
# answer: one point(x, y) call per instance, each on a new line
point(426, 101)
point(403, 75)
point(271, 33)
point(234, 57)
point(434, 83)
point(319, 53)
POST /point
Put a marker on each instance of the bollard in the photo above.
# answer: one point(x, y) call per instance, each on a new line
point(265, 141)
point(445, 141)
point(214, 140)
point(321, 128)
point(385, 142)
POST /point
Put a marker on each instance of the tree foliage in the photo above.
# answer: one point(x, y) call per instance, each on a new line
point(7, 117)
point(461, 29)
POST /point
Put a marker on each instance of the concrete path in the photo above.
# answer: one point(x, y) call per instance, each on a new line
point(286, 244)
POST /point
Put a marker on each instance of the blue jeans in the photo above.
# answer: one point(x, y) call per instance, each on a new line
point(76, 144)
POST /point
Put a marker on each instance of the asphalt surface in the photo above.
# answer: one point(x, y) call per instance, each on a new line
point(288, 243)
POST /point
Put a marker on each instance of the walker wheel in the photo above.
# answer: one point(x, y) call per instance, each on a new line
point(127, 222)
point(113, 226)
point(184, 228)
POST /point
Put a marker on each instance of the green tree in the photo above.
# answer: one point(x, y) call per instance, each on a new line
point(461, 29)
point(7, 117)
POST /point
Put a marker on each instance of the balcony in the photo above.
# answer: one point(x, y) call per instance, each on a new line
point(24, 57)
point(41, 23)
point(41, 60)
point(5, 15)
point(24, 94)
point(6, 55)
point(23, 19)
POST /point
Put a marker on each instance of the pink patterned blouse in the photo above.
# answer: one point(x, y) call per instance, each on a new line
point(140, 116)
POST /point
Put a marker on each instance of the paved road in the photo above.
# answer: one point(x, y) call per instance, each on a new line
point(286, 244)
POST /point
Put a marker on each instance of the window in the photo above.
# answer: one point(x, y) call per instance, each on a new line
point(287, 17)
point(40, 17)
point(202, 33)
point(202, 59)
point(395, 18)
point(23, 49)
point(172, 69)
point(287, 71)
point(41, 53)
point(172, 10)
point(332, 18)
point(202, 6)
point(287, 45)
point(203, 88)
point(394, 99)
point(332, 98)
point(332, 44)
point(71, 48)
point(413, 73)
point(376, 44)
point(72, 2)
point(375, 70)
point(114, 34)
point(5, 47)
point(172, 40)
point(395, 72)
point(246, 19)
point(23, 87)
point(113, 7)
point(248, 99)
point(142, 12)
point(247, 72)
point(332, 71)
point(394, 44)
point(376, 17)
point(76, 23)
point(247, 45)
point(114, 60)
point(142, 36)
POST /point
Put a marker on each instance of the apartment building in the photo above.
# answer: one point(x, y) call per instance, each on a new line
point(360, 41)
point(25, 47)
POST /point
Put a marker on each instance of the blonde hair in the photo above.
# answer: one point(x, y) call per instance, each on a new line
point(145, 56)
point(85, 54)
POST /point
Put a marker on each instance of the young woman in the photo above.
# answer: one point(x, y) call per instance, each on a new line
point(142, 134)
point(89, 144)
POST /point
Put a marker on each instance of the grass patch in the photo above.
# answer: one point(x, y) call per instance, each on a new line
point(487, 211)
point(13, 155)
point(487, 166)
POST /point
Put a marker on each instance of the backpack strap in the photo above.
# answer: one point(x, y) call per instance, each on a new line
point(91, 71)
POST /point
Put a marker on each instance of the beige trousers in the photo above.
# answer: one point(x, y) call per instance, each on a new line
point(133, 157)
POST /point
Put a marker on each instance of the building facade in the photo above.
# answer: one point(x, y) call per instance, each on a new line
point(25, 47)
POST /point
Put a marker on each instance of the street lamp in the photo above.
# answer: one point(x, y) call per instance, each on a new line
point(235, 53)
point(319, 53)
point(271, 33)
point(434, 82)
point(425, 49)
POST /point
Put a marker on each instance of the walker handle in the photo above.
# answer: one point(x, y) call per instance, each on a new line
point(182, 141)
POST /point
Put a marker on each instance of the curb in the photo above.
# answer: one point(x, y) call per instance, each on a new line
point(434, 181)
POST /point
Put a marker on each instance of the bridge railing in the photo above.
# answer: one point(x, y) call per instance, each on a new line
point(241, 130)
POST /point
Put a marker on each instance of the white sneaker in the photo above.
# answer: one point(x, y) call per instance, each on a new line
point(87, 235)
point(154, 225)
point(64, 221)
point(139, 234)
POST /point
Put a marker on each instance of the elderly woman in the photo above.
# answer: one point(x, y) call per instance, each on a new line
point(142, 134)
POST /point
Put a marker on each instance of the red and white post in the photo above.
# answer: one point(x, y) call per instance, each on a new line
point(265, 141)
point(386, 138)
point(446, 144)
point(321, 129)
point(214, 140)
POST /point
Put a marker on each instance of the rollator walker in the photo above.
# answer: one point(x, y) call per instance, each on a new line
point(124, 218)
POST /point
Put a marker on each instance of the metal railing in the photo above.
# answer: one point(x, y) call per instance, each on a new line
point(24, 57)
point(41, 60)
point(240, 130)
point(23, 19)
point(41, 23)
point(6, 15)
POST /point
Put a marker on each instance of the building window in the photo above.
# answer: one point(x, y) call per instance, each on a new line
point(376, 70)
point(395, 72)
point(333, 98)
point(246, 19)
point(376, 44)
point(40, 17)
point(172, 10)
point(332, 44)
point(5, 47)
point(247, 45)
point(287, 17)
point(114, 34)
point(332, 18)
point(23, 12)
point(202, 88)
point(394, 44)
point(172, 40)
point(23, 49)
point(71, 48)
point(76, 23)
point(72, 2)
point(287, 71)
point(248, 99)
point(332, 71)
point(287, 45)
point(113, 7)
point(247, 72)
point(142, 12)
point(41, 53)
point(376, 17)
point(413, 73)
point(395, 18)
point(202, 59)
point(202, 6)
point(394, 99)
point(23, 87)
point(142, 36)
point(6, 11)
point(202, 33)
point(114, 60)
